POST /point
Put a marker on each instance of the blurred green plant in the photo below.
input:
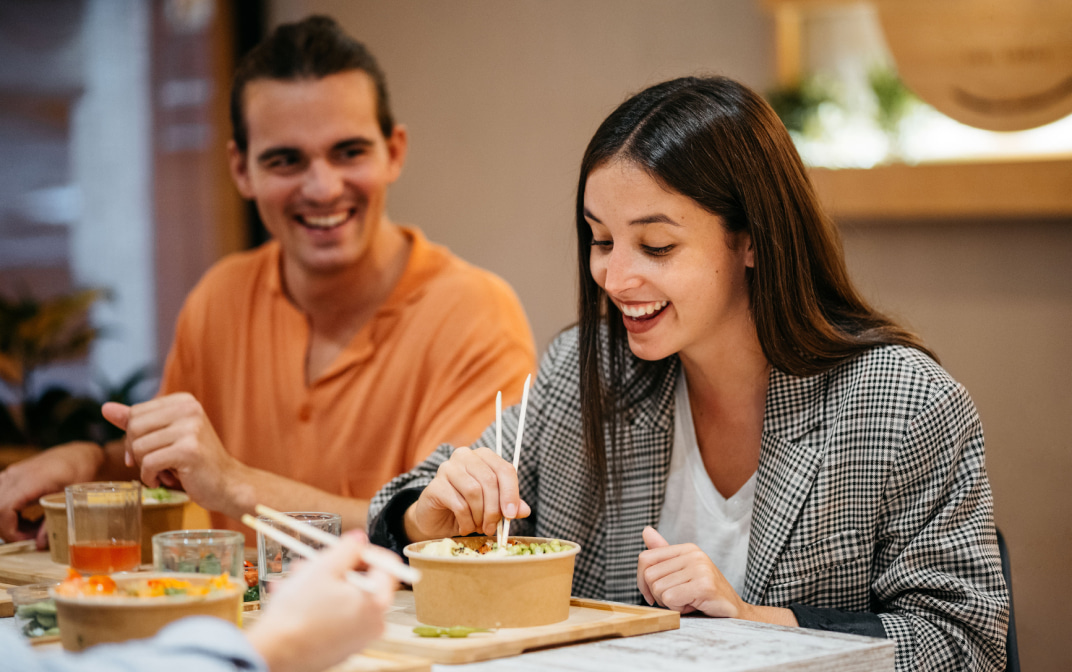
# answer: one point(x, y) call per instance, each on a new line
point(38, 332)
point(798, 105)
point(35, 332)
point(892, 98)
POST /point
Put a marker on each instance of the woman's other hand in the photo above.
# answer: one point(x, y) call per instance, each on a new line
point(682, 578)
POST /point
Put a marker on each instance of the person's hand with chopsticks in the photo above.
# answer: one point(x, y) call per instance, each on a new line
point(472, 491)
point(317, 617)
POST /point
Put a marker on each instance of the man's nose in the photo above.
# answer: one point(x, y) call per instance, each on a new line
point(322, 182)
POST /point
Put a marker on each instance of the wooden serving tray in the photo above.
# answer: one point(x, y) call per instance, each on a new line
point(588, 620)
point(30, 567)
point(7, 607)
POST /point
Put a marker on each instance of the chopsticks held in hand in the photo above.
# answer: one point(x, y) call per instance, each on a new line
point(517, 448)
point(401, 572)
point(498, 451)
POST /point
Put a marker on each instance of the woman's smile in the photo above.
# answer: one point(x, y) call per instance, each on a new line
point(641, 317)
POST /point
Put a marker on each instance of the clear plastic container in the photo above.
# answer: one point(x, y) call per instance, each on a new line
point(35, 611)
point(200, 551)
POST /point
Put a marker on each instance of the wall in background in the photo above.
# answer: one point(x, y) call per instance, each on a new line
point(75, 179)
point(501, 98)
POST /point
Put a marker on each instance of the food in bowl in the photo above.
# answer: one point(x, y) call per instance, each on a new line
point(161, 511)
point(493, 590)
point(446, 548)
point(76, 585)
point(35, 611)
point(158, 495)
point(253, 584)
point(113, 608)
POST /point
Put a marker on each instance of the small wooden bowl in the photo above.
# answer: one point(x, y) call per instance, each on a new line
point(85, 621)
point(156, 517)
point(493, 592)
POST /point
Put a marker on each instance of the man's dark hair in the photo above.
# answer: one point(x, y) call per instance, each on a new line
point(312, 48)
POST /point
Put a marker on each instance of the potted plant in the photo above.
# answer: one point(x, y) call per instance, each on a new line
point(37, 332)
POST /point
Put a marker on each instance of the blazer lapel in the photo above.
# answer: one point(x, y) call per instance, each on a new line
point(646, 444)
point(789, 460)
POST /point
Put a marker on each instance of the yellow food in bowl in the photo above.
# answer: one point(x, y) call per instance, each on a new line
point(98, 609)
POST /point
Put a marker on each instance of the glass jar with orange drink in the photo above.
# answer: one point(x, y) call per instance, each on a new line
point(104, 526)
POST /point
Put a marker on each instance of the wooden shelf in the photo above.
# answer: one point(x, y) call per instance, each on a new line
point(1029, 188)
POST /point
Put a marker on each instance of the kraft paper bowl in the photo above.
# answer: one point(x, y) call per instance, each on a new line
point(493, 592)
point(156, 517)
point(85, 621)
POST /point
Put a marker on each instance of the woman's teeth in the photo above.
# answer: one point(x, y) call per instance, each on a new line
point(644, 309)
point(325, 222)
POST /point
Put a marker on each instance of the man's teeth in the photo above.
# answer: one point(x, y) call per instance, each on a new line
point(327, 221)
point(643, 309)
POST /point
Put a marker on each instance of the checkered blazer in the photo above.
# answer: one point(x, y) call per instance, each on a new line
point(871, 495)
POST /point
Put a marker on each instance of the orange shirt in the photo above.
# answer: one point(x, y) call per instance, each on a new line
point(423, 371)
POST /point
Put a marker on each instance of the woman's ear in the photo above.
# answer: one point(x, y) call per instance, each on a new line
point(749, 252)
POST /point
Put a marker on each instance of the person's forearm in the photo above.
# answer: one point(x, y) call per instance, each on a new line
point(773, 615)
point(261, 487)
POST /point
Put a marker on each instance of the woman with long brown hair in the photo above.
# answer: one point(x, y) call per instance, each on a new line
point(731, 429)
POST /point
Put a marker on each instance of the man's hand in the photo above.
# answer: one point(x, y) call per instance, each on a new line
point(23, 483)
point(683, 578)
point(471, 492)
point(172, 441)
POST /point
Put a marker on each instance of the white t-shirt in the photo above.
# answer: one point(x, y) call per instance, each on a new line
point(694, 511)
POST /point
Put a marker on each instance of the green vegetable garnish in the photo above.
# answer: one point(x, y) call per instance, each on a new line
point(40, 618)
point(210, 564)
point(455, 632)
point(157, 494)
point(252, 594)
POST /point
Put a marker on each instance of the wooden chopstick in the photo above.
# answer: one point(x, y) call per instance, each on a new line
point(306, 551)
point(403, 573)
point(517, 445)
point(498, 451)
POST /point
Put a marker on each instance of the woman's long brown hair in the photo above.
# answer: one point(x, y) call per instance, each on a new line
point(719, 143)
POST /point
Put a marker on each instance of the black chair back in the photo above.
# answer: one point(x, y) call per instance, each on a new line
point(1012, 653)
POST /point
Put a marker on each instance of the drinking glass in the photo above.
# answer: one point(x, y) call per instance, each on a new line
point(274, 559)
point(104, 526)
point(200, 551)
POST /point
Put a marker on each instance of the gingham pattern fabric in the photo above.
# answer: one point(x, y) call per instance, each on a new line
point(871, 495)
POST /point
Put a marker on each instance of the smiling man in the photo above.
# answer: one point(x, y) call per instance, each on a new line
point(308, 372)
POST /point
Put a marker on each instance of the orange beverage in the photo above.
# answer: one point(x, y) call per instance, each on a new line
point(104, 557)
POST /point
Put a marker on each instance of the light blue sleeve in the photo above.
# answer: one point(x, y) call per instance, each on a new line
point(198, 643)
